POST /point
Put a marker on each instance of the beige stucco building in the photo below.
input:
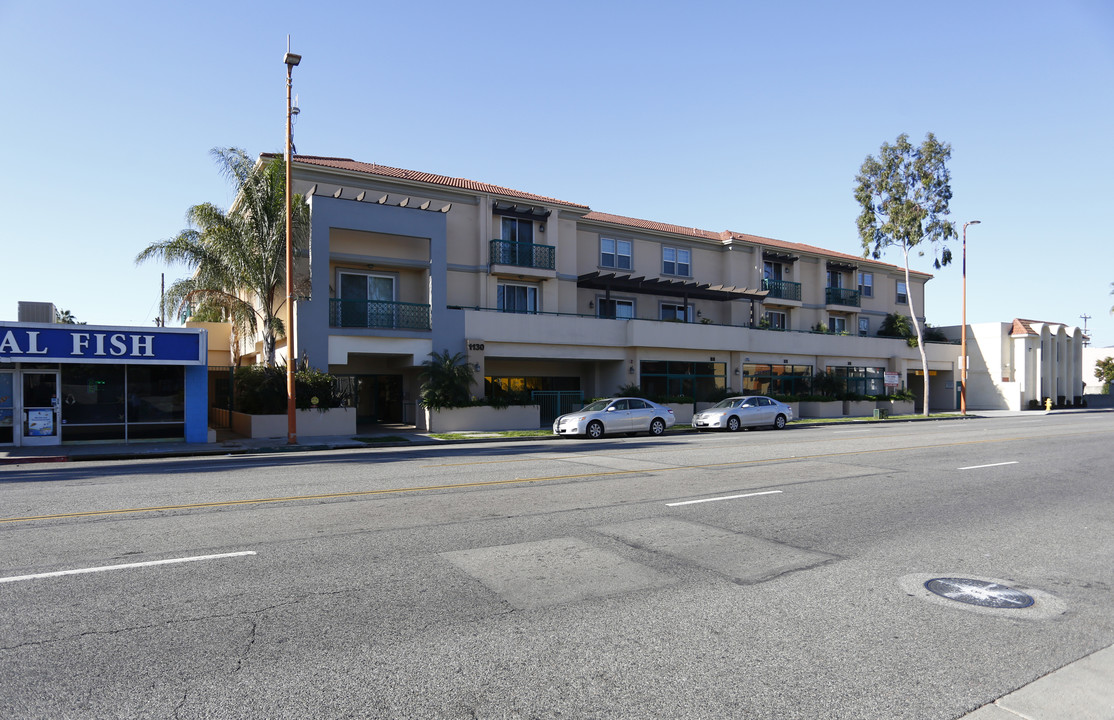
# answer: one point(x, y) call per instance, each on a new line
point(551, 297)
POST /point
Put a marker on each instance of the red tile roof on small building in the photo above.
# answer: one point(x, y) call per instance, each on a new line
point(1025, 327)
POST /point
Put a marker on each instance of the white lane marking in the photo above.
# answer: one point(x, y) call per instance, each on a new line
point(846, 432)
point(976, 467)
point(80, 571)
point(726, 497)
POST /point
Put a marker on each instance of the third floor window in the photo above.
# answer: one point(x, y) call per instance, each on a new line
point(517, 230)
point(675, 261)
point(866, 284)
point(615, 253)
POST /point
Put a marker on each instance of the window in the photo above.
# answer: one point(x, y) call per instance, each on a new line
point(675, 261)
point(866, 284)
point(902, 294)
point(518, 298)
point(837, 324)
point(517, 230)
point(619, 309)
point(775, 320)
point(693, 380)
point(615, 253)
point(864, 326)
point(771, 271)
point(671, 311)
point(366, 300)
point(861, 380)
point(777, 379)
point(835, 279)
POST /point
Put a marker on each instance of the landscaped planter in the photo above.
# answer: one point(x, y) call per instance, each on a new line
point(897, 407)
point(825, 409)
point(858, 408)
point(682, 412)
point(480, 418)
point(334, 421)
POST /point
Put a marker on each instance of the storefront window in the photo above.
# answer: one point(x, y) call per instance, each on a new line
point(116, 402)
point(671, 379)
point(761, 379)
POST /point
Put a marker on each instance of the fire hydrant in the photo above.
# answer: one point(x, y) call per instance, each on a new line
point(1047, 404)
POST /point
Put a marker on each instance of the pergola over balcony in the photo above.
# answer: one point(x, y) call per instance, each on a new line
point(667, 288)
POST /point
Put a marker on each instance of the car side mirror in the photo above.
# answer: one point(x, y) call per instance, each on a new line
point(611, 409)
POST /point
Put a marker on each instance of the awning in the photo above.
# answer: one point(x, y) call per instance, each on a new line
point(668, 288)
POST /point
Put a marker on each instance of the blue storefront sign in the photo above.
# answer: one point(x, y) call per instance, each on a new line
point(88, 344)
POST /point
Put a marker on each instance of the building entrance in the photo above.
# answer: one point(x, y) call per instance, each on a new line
point(378, 399)
point(40, 408)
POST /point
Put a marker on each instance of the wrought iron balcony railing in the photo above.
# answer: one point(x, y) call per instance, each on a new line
point(841, 296)
point(782, 289)
point(523, 254)
point(378, 314)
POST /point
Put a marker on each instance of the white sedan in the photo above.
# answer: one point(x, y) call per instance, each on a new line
point(616, 415)
point(736, 413)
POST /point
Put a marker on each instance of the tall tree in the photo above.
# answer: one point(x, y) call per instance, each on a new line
point(238, 257)
point(904, 195)
point(66, 317)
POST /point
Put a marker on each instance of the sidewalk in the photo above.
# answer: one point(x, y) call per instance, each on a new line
point(1083, 690)
point(386, 437)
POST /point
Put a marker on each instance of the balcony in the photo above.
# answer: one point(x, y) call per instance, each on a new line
point(378, 314)
point(782, 289)
point(523, 254)
point(841, 296)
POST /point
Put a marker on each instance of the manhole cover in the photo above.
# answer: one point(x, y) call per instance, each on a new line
point(979, 592)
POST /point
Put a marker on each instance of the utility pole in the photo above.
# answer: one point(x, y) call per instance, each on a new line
point(1086, 338)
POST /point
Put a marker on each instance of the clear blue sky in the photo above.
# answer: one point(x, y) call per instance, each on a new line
point(748, 116)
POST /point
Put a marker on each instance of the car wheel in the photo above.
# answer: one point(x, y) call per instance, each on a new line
point(779, 422)
point(733, 424)
point(657, 426)
point(594, 430)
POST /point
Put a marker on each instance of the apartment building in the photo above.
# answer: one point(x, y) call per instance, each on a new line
point(552, 297)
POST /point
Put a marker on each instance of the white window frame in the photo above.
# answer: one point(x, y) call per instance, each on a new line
point(864, 326)
point(777, 319)
point(518, 223)
point(866, 284)
point(533, 297)
point(902, 293)
point(686, 311)
point(616, 252)
point(837, 324)
point(672, 264)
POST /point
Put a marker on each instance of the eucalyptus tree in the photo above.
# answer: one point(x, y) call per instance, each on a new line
point(904, 195)
point(238, 257)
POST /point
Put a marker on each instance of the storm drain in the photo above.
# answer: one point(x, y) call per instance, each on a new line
point(979, 592)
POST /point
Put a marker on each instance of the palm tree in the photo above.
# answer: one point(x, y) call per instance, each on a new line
point(445, 380)
point(238, 257)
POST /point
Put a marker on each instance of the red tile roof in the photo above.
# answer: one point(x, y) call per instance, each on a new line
point(415, 176)
point(1025, 327)
point(471, 185)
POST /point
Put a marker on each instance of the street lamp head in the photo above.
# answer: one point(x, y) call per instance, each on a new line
point(972, 222)
point(292, 59)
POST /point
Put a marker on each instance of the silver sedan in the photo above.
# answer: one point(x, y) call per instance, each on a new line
point(616, 415)
point(737, 413)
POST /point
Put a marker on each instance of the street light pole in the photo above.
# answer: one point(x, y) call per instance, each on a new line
point(291, 61)
point(963, 342)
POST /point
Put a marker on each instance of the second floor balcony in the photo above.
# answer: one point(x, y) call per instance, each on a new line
point(841, 296)
point(378, 314)
point(782, 289)
point(523, 254)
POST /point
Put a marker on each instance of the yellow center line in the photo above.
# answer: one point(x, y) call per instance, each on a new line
point(515, 481)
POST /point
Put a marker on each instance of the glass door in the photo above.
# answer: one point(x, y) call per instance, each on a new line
point(40, 424)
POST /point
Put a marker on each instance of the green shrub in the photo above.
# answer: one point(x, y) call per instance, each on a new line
point(261, 390)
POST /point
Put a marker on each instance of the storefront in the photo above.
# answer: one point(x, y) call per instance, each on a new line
point(81, 383)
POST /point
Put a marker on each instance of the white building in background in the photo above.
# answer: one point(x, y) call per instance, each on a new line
point(1021, 362)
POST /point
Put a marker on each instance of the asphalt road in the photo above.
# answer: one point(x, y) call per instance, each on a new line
point(753, 575)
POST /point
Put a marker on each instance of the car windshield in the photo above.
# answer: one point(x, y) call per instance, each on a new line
point(596, 406)
point(729, 402)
